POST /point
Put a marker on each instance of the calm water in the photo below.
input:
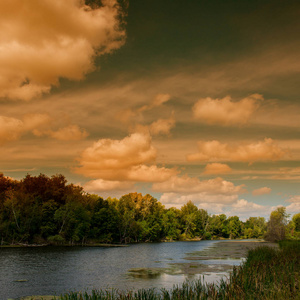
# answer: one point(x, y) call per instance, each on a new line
point(56, 270)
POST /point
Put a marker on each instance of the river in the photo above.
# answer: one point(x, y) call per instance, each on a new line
point(56, 270)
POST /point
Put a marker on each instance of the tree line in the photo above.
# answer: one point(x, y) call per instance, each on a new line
point(48, 210)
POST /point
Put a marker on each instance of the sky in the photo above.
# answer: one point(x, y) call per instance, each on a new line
point(185, 100)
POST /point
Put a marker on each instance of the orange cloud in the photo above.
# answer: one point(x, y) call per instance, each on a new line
point(11, 128)
point(217, 168)
point(43, 41)
point(34, 121)
point(215, 151)
point(100, 185)
point(261, 191)
point(123, 160)
point(128, 115)
point(224, 111)
point(192, 185)
point(162, 126)
point(69, 133)
point(159, 100)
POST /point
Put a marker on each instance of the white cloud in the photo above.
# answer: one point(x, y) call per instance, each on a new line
point(213, 208)
point(42, 41)
point(245, 209)
point(294, 199)
point(293, 208)
point(177, 200)
point(258, 151)
point(231, 206)
point(224, 111)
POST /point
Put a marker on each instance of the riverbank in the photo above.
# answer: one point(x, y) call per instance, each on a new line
point(19, 245)
point(62, 245)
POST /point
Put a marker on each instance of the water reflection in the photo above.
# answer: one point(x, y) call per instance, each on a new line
point(56, 270)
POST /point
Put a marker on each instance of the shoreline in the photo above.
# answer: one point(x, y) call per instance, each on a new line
point(21, 245)
point(63, 245)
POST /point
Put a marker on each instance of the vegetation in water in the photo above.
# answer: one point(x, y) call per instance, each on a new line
point(43, 210)
point(267, 273)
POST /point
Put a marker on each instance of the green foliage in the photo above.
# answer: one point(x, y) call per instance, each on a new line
point(293, 228)
point(42, 209)
point(296, 220)
point(255, 227)
point(56, 240)
point(276, 227)
point(234, 227)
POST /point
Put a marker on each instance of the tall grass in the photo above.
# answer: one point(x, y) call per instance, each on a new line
point(267, 273)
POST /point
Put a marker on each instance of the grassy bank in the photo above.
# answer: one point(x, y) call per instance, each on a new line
point(268, 273)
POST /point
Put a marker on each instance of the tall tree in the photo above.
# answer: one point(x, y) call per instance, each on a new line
point(277, 225)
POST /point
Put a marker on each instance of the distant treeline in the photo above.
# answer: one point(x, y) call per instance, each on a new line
point(47, 210)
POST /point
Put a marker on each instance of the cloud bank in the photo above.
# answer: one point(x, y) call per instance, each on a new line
point(42, 41)
point(265, 150)
point(178, 190)
point(123, 160)
point(224, 111)
point(12, 129)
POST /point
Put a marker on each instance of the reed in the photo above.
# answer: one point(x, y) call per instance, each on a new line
point(267, 273)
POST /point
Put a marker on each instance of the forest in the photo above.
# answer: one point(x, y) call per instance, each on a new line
point(48, 211)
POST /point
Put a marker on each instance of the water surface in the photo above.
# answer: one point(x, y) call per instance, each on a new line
point(56, 270)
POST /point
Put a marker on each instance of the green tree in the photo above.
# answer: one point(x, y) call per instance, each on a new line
point(293, 228)
point(104, 221)
point(276, 226)
point(255, 227)
point(202, 224)
point(170, 224)
point(296, 220)
point(49, 225)
point(234, 227)
point(189, 217)
point(217, 226)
